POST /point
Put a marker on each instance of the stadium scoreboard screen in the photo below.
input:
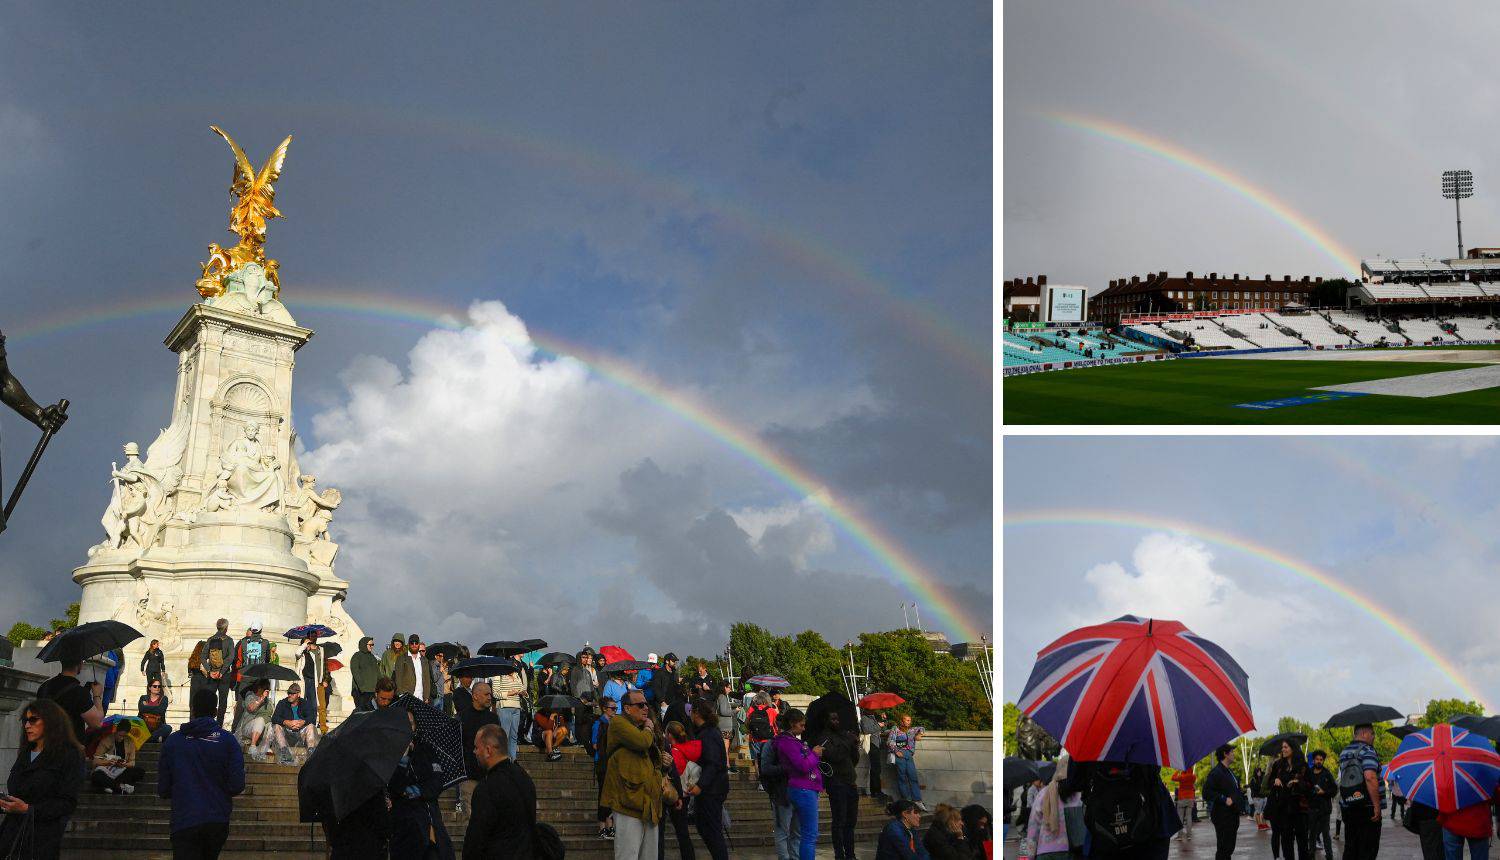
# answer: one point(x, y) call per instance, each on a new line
point(1066, 304)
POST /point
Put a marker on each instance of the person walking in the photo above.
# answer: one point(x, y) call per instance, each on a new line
point(153, 662)
point(804, 779)
point(899, 840)
point(44, 782)
point(218, 659)
point(474, 717)
point(1288, 791)
point(632, 784)
point(504, 802)
point(1359, 795)
point(364, 671)
point(712, 788)
point(902, 743)
point(201, 771)
point(1226, 802)
point(1398, 801)
point(1258, 797)
point(1187, 800)
point(774, 780)
point(417, 828)
point(112, 678)
point(600, 734)
point(840, 758)
point(412, 672)
point(508, 690)
point(1324, 788)
point(1136, 790)
point(1047, 829)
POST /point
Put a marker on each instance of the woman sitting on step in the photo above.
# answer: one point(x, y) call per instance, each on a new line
point(114, 768)
point(152, 708)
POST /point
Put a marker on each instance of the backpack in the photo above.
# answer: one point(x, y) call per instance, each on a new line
point(1352, 780)
point(1120, 812)
point(545, 843)
point(255, 651)
point(215, 658)
point(759, 724)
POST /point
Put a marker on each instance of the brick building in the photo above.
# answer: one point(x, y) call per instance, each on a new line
point(1161, 293)
point(1023, 300)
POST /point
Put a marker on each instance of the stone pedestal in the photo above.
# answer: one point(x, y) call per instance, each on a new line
point(218, 521)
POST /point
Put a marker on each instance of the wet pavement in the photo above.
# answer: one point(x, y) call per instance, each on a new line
point(1396, 843)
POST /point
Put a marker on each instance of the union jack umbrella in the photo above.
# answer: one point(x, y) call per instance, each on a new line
point(1138, 690)
point(1446, 768)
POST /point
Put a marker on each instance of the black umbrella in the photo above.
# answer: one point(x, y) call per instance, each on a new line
point(1488, 727)
point(1361, 714)
point(486, 667)
point(557, 703)
point(270, 672)
point(557, 658)
point(626, 666)
point(1045, 770)
point(442, 733)
point(77, 644)
point(1272, 746)
point(1403, 731)
point(818, 711)
point(331, 649)
point(449, 650)
point(1466, 721)
point(353, 762)
point(1017, 772)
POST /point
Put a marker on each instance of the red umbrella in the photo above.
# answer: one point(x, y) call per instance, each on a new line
point(880, 702)
point(614, 654)
point(334, 665)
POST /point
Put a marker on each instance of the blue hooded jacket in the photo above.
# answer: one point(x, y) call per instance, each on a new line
point(202, 768)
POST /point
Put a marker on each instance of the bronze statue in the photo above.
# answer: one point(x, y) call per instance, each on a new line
point(48, 418)
point(256, 193)
point(1033, 742)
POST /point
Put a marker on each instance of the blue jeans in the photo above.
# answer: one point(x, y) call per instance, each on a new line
point(1453, 847)
point(908, 787)
point(786, 831)
point(805, 803)
point(510, 720)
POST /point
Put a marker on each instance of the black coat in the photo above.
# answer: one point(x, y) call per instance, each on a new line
point(362, 834)
point(1292, 797)
point(714, 776)
point(504, 814)
point(943, 845)
point(1322, 803)
point(417, 829)
point(471, 722)
point(153, 663)
point(50, 787)
point(1222, 784)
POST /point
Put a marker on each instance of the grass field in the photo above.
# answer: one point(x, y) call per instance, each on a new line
point(1205, 391)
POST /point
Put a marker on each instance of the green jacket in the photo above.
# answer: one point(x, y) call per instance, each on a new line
point(632, 780)
point(388, 660)
point(364, 667)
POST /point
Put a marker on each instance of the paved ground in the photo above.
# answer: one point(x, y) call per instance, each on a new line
point(1395, 844)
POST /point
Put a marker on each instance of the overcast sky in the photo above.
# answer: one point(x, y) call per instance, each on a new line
point(782, 210)
point(1404, 522)
point(1347, 112)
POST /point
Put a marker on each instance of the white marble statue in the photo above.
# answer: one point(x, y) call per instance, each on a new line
point(309, 512)
point(143, 493)
point(250, 472)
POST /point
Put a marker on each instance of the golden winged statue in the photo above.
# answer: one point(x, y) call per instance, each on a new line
point(256, 193)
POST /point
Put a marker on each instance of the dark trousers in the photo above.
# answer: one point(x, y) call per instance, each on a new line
point(1430, 837)
point(199, 843)
point(221, 687)
point(1289, 832)
point(709, 815)
point(876, 759)
point(679, 819)
point(364, 701)
point(1157, 849)
point(843, 803)
point(130, 776)
point(1318, 830)
point(1226, 832)
point(1361, 835)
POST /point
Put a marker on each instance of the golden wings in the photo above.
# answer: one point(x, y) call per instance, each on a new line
point(256, 191)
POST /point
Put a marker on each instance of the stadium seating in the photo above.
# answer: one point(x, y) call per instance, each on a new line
point(1394, 291)
point(1271, 335)
point(1452, 290)
point(1476, 327)
point(1312, 327)
point(1019, 350)
point(1365, 331)
point(1155, 331)
point(1209, 334)
point(1421, 331)
point(1024, 349)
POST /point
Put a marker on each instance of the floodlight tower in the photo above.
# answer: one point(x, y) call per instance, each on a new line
point(1458, 185)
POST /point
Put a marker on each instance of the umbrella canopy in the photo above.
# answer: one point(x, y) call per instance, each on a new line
point(353, 762)
point(1361, 714)
point(818, 711)
point(1403, 731)
point(303, 631)
point(509, 648)
point(331, 649)
point(1488, 727)
point(1446, 768)
point(441, 732)
point(335, 665)
point(449, 650)
point(880, 702)
point(557, 658)
point(626, 666)
point(486, 667)
point(138, 733)
point(613, 654)
point(270, 672)
point(77, 644)
point(1017, 772)
point(1139, 691)
point(557, 703)
point(776, 681)
point(1272, 746)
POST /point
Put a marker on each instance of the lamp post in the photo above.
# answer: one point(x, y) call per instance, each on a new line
point(1458, 185)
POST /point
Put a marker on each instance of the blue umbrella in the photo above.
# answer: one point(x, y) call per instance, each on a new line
point(1446, 768)
point(306, 630)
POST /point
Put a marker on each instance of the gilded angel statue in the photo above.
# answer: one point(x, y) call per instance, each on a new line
point(255, 205)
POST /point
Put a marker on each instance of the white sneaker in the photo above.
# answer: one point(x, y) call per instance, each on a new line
point(922, 806)
point(127, 789)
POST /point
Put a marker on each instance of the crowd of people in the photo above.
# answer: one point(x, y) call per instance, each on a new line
point(1112, 810)
point(664, 743)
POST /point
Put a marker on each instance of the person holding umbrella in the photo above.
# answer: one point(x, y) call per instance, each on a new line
point(416, 823)
point(1360, 797)
point(1226, 801)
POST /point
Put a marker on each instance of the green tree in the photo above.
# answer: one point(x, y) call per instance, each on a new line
point(754, 649)
point(1330, 293)
point(1444, 710)
point(1010, 719)
point(22, 631)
